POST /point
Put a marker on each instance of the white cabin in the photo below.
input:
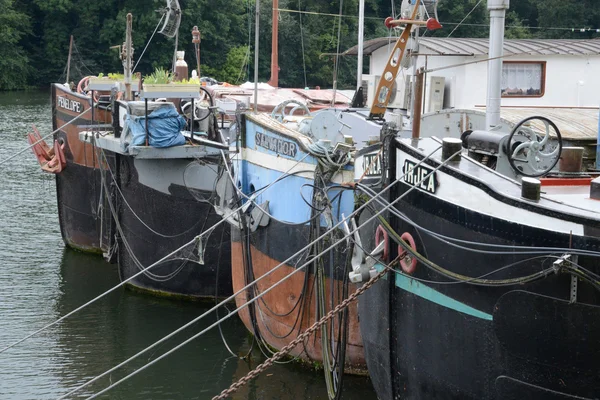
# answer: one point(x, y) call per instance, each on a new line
point(536, 73)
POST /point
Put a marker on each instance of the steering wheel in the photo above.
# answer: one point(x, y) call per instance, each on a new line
point(537, 154)
point(279, 111)
point(200, 112)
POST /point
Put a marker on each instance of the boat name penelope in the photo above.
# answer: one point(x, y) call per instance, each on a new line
point(277, 145)
point(70, 105)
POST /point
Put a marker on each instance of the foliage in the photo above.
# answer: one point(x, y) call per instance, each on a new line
point(14, 62)
point(159, 76)
point(34, 35)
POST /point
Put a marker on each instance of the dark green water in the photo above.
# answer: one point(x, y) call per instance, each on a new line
point(40, 281)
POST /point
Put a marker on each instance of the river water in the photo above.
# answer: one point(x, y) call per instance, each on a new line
point(41, 280)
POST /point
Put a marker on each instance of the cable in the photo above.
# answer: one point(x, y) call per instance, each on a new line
point(337, 55)
point(360, 208)
point(504, 56)
point(444, 23)
point(511, 248)
point(148, 44)
point(43, 138)
point(466, 16)
point(302, 44)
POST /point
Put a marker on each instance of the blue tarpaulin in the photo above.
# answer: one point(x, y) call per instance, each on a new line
point(164, 128)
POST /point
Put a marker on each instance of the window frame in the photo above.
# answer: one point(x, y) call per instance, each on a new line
point(543, 83)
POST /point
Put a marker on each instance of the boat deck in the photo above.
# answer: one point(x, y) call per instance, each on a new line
point(572, 200)
point(107, 141)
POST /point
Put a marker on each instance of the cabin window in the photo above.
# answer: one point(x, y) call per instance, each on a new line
point(523, 79)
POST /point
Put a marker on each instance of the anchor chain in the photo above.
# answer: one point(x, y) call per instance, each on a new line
point(252, 374)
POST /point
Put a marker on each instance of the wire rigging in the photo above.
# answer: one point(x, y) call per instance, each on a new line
point(465, 18)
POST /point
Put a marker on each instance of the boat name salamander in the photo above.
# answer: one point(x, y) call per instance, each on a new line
point(277, 145)
point(420, 176)
point(68, 104)
point(372, 164)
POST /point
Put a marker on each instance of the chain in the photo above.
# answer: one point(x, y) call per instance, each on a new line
point(252, 374)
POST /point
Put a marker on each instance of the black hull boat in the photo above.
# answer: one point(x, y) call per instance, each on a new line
point(136, 179)
point(158, 216)
point(78, 185)
point(434, 331)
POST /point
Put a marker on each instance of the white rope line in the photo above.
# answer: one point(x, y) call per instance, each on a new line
point(148, 44)
point(138, 264)
point(199, 237)
point(93, 300)
point(505, 56)
point(464, 19)
point(232, 297)
point(42, 139)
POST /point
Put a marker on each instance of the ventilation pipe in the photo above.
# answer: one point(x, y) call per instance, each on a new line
point(497, 10)
point(361, 37)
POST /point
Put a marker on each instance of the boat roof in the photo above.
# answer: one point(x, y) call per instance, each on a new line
point(480, 46)
point(573, 123)
point(269, 98)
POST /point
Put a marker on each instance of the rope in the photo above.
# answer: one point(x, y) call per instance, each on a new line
point(466, 16)
point(255, 372)
point(513, 250)
point(324, 155)
point(444, 23)
point(42, 139)
point(92, 301)
point(148, 44)
point(136, 261)
point(340, 15)
point(233, 296)
point(505, 56)
point(302, 43)
point(337, 54)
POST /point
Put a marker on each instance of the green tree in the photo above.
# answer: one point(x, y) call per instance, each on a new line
point(14, 63)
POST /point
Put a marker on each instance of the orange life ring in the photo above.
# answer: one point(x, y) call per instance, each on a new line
point(381, 234)
point(408, 265)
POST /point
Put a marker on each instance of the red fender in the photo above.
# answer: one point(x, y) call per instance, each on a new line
point(38, 138)
point(408, 265)
point(381, 234)
point(38, 149)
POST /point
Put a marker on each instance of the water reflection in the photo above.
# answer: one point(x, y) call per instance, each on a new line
point(40, 281)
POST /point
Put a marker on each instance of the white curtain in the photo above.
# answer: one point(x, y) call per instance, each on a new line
point(521, 79)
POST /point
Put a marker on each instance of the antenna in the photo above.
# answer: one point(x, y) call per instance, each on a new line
point(172, 20)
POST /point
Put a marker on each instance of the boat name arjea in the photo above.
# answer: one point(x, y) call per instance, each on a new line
point(418, 175)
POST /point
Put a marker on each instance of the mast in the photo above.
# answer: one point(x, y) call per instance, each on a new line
point(361, 34)
point(256, 47)
point(69, 60)
point(196, 41)
point(274, 81)
point(497, 10)
point(128, 53)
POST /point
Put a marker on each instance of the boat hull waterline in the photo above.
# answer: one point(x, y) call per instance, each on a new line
point(447, 341)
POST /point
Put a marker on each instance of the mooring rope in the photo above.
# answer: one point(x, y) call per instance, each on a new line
point(232, 297)
point(199, 237)
point(42, 139)
point(284, 351)
point(94, 299)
